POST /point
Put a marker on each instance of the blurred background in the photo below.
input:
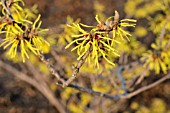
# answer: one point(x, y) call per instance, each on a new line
point(30, 88)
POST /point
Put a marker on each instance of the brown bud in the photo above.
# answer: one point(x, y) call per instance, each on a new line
point(116, 17)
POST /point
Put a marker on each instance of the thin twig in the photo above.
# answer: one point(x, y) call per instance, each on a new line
point(130, 95)
point(7, 9)
point(90, 91)
point(51, 68)
point(77, 67)
point(113, 82)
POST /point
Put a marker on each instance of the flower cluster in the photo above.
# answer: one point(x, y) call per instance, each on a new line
point(158, 60)
point(20, 33)
point(101, 38)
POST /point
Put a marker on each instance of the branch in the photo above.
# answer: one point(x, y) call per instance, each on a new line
point(90, 91)
point(130, 95)
point(77, 67)
point(121, 96)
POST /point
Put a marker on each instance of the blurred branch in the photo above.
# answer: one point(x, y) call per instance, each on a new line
point(57, 58)
point(32, 81)
point(130, 95)
point(37, 75)
point(163, 32)
point(90, 91)
point(141, 77)
point(113, 82)
point(122, 80)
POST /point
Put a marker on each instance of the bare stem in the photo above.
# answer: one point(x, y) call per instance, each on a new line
point(77, 67)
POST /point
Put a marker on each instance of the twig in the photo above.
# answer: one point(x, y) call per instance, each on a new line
point(130, 95)
point(77, 67)
point(114, 84)
point(7, 9)
point(51, 68)
point(90, 91)
point(142, 74)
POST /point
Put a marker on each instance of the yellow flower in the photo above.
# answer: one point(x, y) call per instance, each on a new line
point(95, 39)
point(35, 35)
point(14, 42)
point(19, 37)
point(158, 60)
point(98, 38)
